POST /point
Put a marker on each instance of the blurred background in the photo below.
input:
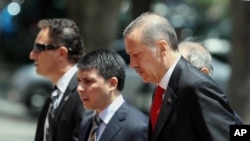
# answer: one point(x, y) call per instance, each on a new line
point(221, 25)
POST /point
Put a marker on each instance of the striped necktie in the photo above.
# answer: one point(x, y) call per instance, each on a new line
point(51, 113)
point(54, 97)
point(94, 130)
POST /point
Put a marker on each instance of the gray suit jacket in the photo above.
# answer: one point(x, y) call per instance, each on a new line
point(194, 108)
point(127, 124)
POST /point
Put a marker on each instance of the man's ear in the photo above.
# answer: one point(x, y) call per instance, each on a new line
point(113, 82)
point(63, 51)
point(162, 45)
point(205, 70)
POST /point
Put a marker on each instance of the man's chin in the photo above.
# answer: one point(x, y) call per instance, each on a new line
point(144, 79)
point(39, 72)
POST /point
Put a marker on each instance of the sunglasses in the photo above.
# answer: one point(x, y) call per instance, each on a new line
point(40, 47)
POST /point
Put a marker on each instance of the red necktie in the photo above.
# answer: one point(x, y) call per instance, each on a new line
point(156, 105)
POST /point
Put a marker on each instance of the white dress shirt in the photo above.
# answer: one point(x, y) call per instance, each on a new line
point(165, 79)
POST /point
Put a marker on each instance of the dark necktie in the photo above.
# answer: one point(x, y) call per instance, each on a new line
point(51, 113)
point(156, 105)
point(94, 130)
point(54, 97)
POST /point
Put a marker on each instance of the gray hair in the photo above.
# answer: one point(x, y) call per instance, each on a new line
point(197, 55)
point(154, 27)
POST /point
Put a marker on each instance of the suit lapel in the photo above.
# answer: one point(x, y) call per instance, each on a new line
point(167, 106)
point(115, 124)
point(68, 93)
point(170, 98)
point(111, 130)
point(85, 128)
point(41, 120)
point(45, 109)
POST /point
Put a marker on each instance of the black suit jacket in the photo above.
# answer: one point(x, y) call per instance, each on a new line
point(127, 124)
point(194, 108)
point(68, 116)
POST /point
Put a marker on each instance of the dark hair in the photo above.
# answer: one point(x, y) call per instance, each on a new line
point(153, 29)
point(64, 32)
point(107, 62)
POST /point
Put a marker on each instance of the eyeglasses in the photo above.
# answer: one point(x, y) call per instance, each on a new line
point(40, 47)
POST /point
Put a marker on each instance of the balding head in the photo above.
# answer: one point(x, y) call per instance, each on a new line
point(197, 55)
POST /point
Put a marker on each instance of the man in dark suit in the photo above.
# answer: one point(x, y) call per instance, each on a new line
point(101, 78)
point(58, 47)
point(191, 106)
point(200, 57)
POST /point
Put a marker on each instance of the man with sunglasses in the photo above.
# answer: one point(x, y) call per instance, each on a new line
point(58, 47)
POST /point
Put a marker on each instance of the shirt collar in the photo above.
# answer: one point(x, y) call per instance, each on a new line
point(63, 82)
point(110, 110)
point(165, 79)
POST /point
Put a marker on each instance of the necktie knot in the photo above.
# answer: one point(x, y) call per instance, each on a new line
point(159, 91)
point(55, 94)
point(97, 120)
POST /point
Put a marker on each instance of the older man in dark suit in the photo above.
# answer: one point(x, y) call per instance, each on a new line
point(188, 105)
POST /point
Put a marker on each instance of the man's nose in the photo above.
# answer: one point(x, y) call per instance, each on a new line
point(32, 54)
point(80, 89)
point(132, 64)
